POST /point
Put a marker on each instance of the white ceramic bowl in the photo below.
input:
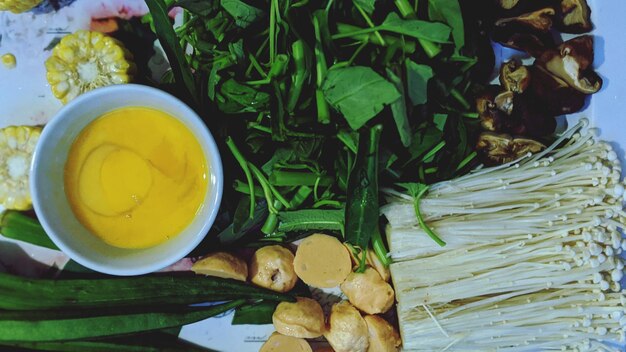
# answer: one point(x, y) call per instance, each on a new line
point(53, 209)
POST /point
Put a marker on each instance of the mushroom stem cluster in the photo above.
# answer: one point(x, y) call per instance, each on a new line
point(532, 260)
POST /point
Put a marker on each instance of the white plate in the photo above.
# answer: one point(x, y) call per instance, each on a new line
point(25, 99)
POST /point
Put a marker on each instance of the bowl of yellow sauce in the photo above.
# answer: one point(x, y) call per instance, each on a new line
point(126, 180)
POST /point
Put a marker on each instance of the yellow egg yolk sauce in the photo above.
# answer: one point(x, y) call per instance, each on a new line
point(136, 177)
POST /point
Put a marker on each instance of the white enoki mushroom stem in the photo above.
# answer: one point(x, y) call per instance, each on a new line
point(531, 260)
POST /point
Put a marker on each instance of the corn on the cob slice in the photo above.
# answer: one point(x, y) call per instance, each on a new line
point(17, 144)
point(18, 6)
point(87, 60)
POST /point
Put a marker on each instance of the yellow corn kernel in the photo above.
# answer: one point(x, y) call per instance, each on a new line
point(18, 6)
point(87, 60)
point(8, 60)
point(17, 145)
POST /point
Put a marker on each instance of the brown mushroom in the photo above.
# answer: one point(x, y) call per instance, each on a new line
point(491, 118)
point(530, 119)
point(534, 43)
point(571, 62)
point(514, 76)
point(495, 149)
point(553, 93)
point(574, 16)
point(540, 20)
point(504, 102)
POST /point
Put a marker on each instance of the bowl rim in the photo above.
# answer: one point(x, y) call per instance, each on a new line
point(205, 139)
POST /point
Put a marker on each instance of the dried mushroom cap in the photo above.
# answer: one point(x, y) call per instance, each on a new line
point(571, 62)
point(575, 16)
point(534, 43)
point(554, 94)
point(504, 102)
point(502, 148)
point(540, 20)
point(490, 118)
point(508, 4)
point(303, 319)
point(514, 76)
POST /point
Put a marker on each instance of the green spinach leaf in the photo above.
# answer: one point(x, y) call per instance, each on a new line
point(423, 141)
point(358, 93)
point(198, 7)
point(417, 78)
point(432, 31)
point(366, 5)
point(255, 314)
point(449, 11)
point(243, 13)
point(398, 109)
point(237, 98)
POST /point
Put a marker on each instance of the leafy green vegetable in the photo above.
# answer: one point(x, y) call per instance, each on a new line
point(256, 314)
point(362, 196)
point(311, 219)
point(434, 32)
point(198, 7)
point(417, 81)
point(261, 72)
point(243, 13)
point(449, 11)
point(358, 93)
point(237, 98)
point(366, 5)
point(399, 110)
point(18, 226)
point(171, 45)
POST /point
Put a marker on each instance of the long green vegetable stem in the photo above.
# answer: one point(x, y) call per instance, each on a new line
point(17, 226)
point(18, 293)
point(321, 67)
point(244, 166)
point(37, 326)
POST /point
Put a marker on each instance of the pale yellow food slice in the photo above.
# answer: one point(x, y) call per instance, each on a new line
point(222, 264)
point(322, 261)
point(282, 343)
